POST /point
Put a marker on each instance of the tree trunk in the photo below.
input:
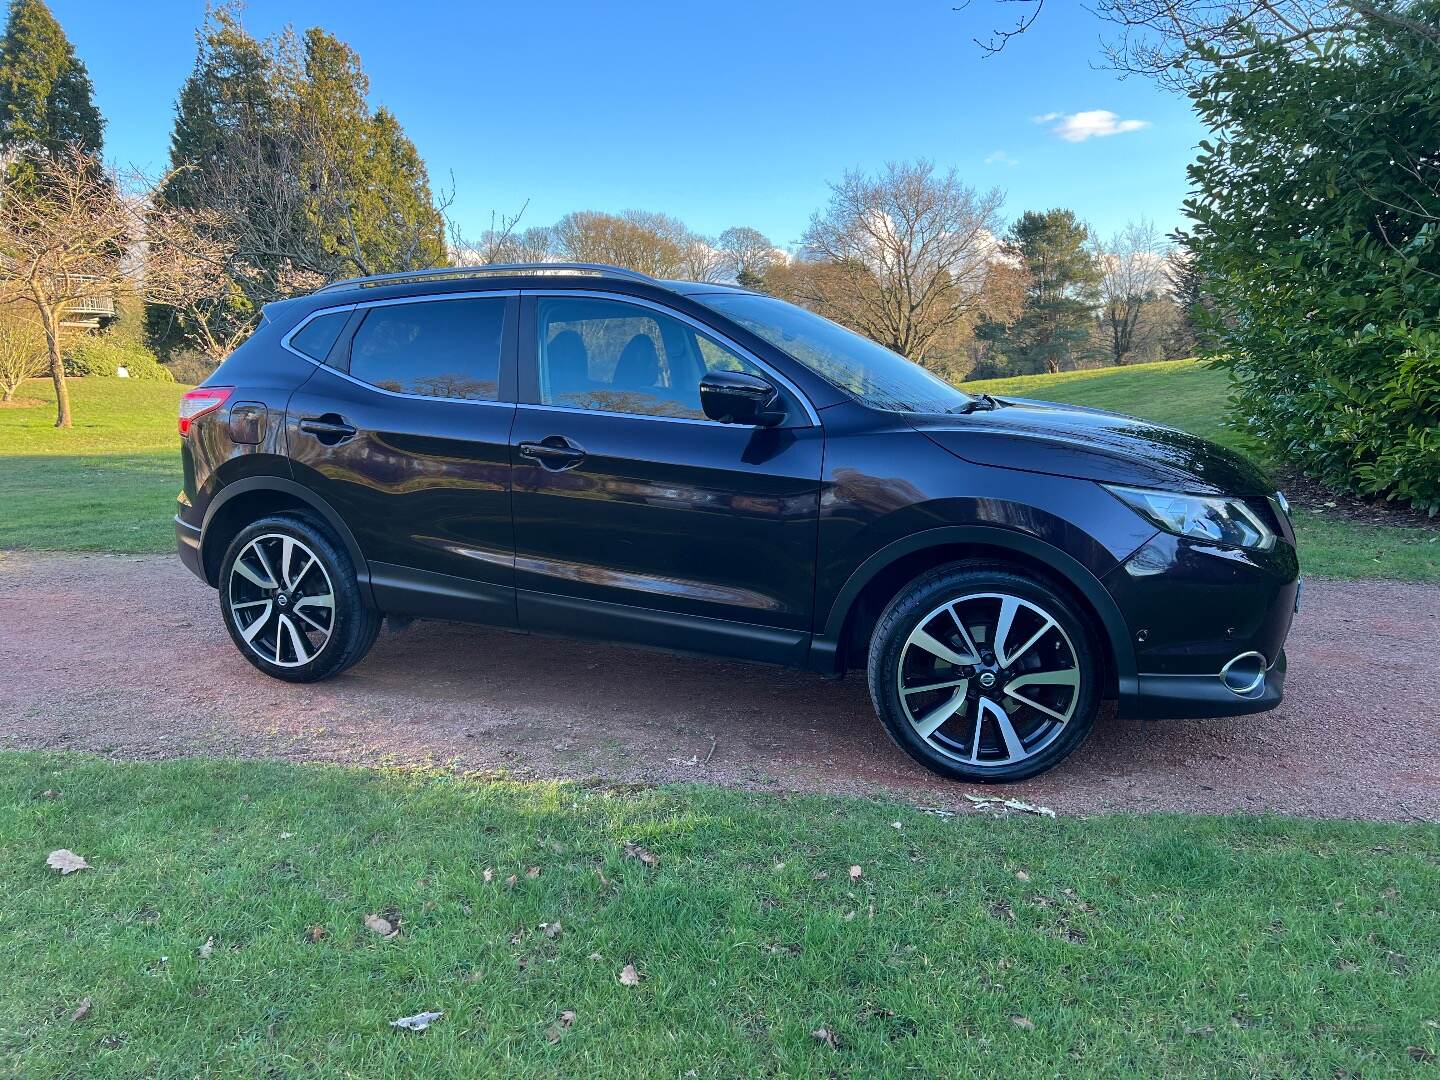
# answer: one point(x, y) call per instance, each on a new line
point(51, 319)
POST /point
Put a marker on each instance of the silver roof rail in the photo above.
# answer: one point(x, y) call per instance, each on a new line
point(442, 273)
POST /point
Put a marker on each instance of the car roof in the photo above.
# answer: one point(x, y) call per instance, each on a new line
point(495, 276)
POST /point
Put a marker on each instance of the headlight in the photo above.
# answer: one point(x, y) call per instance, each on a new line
point(1199, 517)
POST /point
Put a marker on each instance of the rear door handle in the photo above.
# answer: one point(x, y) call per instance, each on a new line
point(554, 453)
point(329, 429)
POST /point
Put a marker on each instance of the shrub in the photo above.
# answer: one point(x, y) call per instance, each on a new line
point(100, 354)
point(190, 367)
point(1317, 231)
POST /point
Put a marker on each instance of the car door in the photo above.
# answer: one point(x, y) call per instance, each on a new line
point(404, 429)
point(635, 517)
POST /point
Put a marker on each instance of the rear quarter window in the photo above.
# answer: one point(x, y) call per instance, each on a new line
point(319, 335)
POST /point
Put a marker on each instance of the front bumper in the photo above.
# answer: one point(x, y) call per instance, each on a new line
point(1193, 697)
point(187, 543)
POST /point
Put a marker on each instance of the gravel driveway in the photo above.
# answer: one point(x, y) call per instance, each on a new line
point(125, 655)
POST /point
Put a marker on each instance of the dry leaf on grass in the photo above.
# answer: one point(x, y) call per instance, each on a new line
point(629, 976)
point(382, 926)
point(856, 873)
point(205, 951)
point(645, 855)
point(316, 933)
point(1023, 1022)
point(49, 793)
point(81, 1011)
point(1022, 875)
point(489, 875)
point(563, 1021)
point(418, 1022)
point(552, 929)
point(66, 861)
point(533, 872)
point(826, 1036)
point(510, 881)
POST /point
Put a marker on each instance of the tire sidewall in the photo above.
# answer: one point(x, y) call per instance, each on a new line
point(949, 583)
point(348, 607)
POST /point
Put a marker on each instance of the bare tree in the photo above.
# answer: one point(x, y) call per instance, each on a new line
point(64, 238)
point(1133, 274)
point(1174, 41)
point(22, 350)
point(701, 259)
point(908, 257)
point(637, 240)
point(749, 253)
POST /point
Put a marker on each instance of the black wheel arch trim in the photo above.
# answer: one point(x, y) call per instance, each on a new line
point(281, 486)
point(825, 648)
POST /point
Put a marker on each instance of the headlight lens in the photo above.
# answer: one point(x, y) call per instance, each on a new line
point(1199, 517)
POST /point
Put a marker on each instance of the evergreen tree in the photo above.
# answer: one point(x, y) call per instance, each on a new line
point(1055, 327)
point(46, 99)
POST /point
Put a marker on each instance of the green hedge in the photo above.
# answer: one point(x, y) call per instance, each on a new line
point(97, 354)
point(1317, 230)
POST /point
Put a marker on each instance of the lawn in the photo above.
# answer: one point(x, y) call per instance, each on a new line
point(106, 484)
point(109, 483)
point(221, 932)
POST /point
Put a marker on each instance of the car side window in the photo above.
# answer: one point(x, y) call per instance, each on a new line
point(610, 356)
point(319, 335)
point(436, 348)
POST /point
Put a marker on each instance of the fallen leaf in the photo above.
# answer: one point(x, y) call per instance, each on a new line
point(1417, 1053)
point(66, 861)
point(601, 875)
point(779, 866)
point(849, 916)
point(563, 1021)
point(489, 875)
point(826, 1036)
point(382, 926)
point(287, 836)
point(552, 929)
point(646, 856)
point(316, 933)
point(418, 1022)
point(1208, 1029)
point(596, 956)
point(821, 875)
point(1023, 1022)
point(856, 873)
point(50, 793)
point(1022, 875)
point(205, 951)
point(81, 1011)
point(629, 976)
point(510, 881)
point(896, 825)
point(517, 937)
point(533, 873)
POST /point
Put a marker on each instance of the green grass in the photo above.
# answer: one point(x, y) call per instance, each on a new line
point(1147, 946)
point(109, 483)
point(106, 484)
point(1188, 395)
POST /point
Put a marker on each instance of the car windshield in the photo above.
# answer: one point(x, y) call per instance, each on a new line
point(878, 377)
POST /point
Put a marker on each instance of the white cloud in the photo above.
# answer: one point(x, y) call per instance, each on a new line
point(1093, 123)
point(1000, 157)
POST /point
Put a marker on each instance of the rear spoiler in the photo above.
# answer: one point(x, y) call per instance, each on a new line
point(270, 311)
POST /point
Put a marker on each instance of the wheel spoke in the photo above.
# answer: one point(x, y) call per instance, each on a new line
point(1009, 658)
point(251, 576)
point(931, 721)
point(964, 633)
point(323, 629)
point(1046, 709)
point(1014, 748)
point(255, 627)
point(248, 604)
point(265, 562)
point(936, 647)
point(326, 600)
point(907, 691)
point(297, 641)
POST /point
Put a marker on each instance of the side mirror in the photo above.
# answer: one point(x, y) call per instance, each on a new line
point(736, 397)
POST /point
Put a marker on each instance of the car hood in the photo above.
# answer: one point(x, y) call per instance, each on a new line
point(1067, 440)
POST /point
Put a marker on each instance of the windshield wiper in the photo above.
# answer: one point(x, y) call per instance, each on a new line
point(983, 403)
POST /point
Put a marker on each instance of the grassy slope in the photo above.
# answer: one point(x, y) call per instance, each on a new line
point(1187, 395)
point(107, 484)
point(1148, 945)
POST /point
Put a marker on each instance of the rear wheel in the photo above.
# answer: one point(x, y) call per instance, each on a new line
point(290, 600)
point(981, 673)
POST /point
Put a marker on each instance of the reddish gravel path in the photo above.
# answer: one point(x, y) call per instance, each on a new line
point(125, 655)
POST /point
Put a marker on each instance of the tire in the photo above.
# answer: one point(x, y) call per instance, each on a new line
point(937, 677)
point(290, 600)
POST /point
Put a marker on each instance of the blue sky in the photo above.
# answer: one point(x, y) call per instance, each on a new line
point(729, 113)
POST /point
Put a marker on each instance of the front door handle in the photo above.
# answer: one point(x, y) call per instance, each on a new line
point(555, 453)
point(329, 429)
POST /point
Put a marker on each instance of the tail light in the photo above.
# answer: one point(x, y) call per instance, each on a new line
point(196, 403)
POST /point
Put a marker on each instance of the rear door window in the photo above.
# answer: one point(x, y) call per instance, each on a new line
point(436, 348)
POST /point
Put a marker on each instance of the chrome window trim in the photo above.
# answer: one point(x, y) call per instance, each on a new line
point(708, 331)
point(423, 298)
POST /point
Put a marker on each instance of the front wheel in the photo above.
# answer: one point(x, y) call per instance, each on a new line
point(290, 600)
point(981, 673)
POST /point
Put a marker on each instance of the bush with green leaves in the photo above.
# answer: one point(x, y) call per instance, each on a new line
point(1317, 231)
point(102, 354)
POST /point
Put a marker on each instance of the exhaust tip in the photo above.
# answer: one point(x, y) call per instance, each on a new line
point(1245, 674)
